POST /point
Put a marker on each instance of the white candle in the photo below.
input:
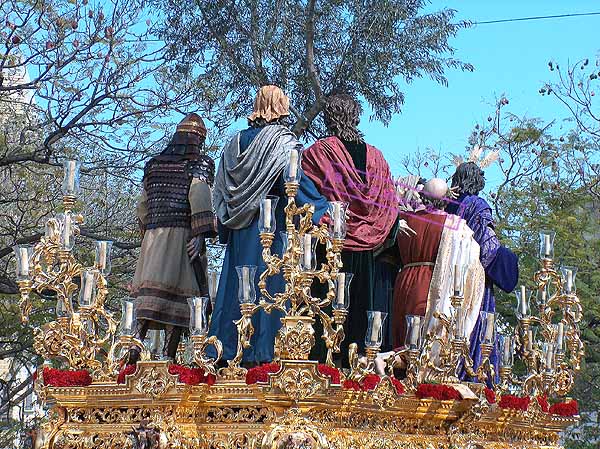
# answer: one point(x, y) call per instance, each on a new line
point(267, 213)
point(102, 249)
point(246, 283)
point(155, 345)
point(341, 292)
point(71, 166)
point(307, 251)
point(457, 280)
point(67, 231)
point(523, 304)
point(414, 331)
point(87, 288)
point(212, 284)
point(337, 218)
point(543, 296)
point(547, 245)
point(460, 322)
point(128, 315)
point(198, 315)
point(293, 164)
point(530, 340)
point(569, 276)
point(489, 328)
point(560, 335)
point(549, 357)
point(375, 329)
point(24, 261)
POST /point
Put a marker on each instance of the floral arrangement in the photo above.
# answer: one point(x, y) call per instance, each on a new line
point(331, 372)
point(490, 395)
point(543, 402)
point(569, 408)
point(261, 373)
point(510, 401)
point(370, 382)
point(192, 376)
point(437, 391)
point(66, 378)
point(128, 370)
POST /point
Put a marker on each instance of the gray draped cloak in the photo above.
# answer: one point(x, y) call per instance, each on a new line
point(243, 179)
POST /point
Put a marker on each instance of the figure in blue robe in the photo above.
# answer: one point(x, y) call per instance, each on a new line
point(500, 263)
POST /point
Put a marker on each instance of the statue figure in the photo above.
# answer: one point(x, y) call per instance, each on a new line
point(424, 284)
point(251, 168)
point(145, 437)
point(345, 168)
point(176, 217)
point(500, 263)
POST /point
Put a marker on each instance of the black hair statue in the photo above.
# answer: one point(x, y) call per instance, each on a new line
point(341, 114)
point(469, 178)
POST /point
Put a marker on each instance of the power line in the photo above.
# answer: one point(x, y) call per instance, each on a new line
point(522, 19)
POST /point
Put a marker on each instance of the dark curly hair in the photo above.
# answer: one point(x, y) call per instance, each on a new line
point(469, 178)
point(341, 114)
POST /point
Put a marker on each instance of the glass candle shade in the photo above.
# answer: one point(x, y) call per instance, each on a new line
point(292, 171)
point(374, 335)
point(266, 222)
point(530, 343)
point(342, 291)
point(103, 256)
point(547, 244)
point(507, 351)
point(458, 280)
point(128, 324)
point(155, 343)
point(543, 295)
point(461, 259)
point(198, 319)
point(488, 327)
point(548, 351)
point(23, 254)
point(67, 234)
point(284, 239)
point(337, 224)
point(522, 310)
point(213, 285)
point(70, 185)
point(559, 331)
point(460, 329)
point(64, 307)
point(308, 246)
point(246, 286)
point(414, 326)
point(87, 291)
point(568, 279)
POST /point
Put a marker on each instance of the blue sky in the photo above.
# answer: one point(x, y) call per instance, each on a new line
point(509, 58)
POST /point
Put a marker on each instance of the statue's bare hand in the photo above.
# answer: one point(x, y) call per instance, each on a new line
point(404, 228)
point(193, 248)
point(453, 192)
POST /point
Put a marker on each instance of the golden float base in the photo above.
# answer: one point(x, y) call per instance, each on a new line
point(298, 408)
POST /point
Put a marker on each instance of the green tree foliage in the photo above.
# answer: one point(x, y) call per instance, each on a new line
point(309, 48)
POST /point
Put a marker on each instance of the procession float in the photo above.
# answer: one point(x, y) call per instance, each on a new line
point(93, 400)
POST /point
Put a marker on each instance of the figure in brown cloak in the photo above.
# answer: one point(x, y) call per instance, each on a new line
point(176, 217)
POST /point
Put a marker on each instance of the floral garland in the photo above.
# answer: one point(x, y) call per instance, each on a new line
point(369, 383)
point(490, 395)
point(510, 401)
point(437, 391)
point(569, 408)
point(128, 370)
point(261, 373)
point(543, 402)
point(192, 376)
point(66, 378)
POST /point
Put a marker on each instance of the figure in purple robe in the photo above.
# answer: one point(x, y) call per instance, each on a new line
point(500, 263)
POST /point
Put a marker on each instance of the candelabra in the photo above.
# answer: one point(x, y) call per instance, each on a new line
point(298, 265)
point(80, 335)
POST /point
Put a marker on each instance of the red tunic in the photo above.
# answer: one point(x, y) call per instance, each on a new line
point(412, 283)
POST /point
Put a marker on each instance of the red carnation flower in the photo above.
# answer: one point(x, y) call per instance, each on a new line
point(490, 395)
point(191, 376)
point(351, 385)
point(370, 382)
point(436, 391)
point(261, 373)
point(330, 372)
point(543, 402)
point(397, 385)
point(570, 408)
point(66, 378)
point(128, 370)
point(509, 401)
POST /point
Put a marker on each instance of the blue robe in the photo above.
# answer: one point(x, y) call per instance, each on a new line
point(501, 265)
point(244, 248)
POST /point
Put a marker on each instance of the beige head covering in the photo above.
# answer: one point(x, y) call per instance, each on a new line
point(270, 104)
point(435, 188)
